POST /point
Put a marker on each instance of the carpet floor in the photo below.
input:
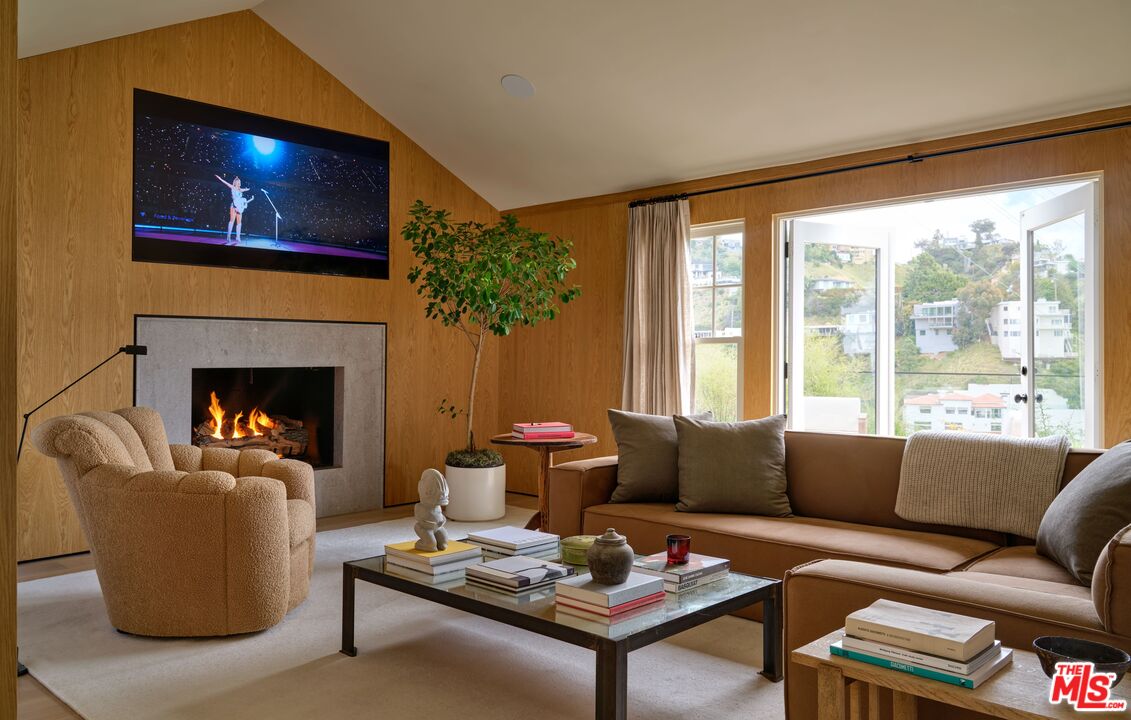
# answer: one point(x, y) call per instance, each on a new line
point(416, 659)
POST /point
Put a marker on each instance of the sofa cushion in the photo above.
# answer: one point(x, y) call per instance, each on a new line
point(732, 467)
point(819, 595)
point(1088, 513)
point(1022, 561)
point(1068, 590)
point(648, 456)
point(771, 546)
point(300, 521)
point(854, 478)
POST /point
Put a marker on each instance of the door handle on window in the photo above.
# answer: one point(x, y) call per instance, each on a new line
point(1021, 398)
point(1039, 397)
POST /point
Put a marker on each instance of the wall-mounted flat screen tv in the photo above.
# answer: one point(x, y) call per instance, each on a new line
point(214, 186)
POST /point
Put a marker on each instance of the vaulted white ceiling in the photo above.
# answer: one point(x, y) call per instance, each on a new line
point(47, 25)
point(632, 93)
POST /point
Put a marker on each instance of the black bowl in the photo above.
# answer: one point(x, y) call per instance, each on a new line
point(1052, 649)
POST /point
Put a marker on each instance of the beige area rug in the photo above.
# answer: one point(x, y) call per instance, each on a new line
point(416, 659)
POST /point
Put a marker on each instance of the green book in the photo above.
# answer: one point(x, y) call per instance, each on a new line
point(971, 681)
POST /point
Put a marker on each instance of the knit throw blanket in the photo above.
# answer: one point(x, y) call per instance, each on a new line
point(987, 482)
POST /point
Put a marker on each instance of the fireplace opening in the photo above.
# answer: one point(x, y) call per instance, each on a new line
point(289, 411)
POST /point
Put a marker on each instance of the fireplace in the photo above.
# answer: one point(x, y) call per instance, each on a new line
point(334, 372)
point(289, 411)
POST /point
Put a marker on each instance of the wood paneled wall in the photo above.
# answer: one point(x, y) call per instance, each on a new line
point(8, 358)
point(570, 369)
point(79, 290)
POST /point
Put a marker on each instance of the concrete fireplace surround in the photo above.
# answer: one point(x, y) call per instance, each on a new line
point(163, 380)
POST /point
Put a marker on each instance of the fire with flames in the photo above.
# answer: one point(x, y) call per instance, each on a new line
point(258, 423)
point(284, 436)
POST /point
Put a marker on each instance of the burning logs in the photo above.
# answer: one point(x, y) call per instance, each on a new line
point(287, 438)
point(284, 436)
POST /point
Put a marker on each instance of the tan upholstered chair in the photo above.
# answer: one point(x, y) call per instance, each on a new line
point(186, 542)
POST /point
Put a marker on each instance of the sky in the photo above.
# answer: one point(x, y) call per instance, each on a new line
point(908, 222)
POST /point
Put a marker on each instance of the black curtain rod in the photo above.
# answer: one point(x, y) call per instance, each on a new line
point(912, 158)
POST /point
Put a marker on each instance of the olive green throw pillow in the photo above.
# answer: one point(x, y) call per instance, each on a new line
point(1088, 513)
point(646, 464)
point(732, 467)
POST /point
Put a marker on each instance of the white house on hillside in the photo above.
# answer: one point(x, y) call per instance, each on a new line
point(1052, 332)
point(983, 412)
point(831, 283)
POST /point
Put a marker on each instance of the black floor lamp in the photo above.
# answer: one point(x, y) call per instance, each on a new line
point(124, 350)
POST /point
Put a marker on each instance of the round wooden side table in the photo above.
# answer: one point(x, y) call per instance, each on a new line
point(545, 450)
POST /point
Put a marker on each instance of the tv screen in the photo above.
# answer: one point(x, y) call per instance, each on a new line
point(214, 186)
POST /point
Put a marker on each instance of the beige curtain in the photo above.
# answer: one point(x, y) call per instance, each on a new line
point(658, 336)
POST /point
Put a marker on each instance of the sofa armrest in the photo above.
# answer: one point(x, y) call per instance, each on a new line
point(186, 458)
point(820, 594)
point(574, 486)
point(297, 476)
point(1111, 584)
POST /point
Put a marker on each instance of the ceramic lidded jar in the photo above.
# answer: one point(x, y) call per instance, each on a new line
point(610, 558)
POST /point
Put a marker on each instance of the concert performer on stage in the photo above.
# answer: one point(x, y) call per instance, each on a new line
point(239, 204)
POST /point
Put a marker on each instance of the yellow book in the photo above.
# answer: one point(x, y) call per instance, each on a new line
point(455, 550)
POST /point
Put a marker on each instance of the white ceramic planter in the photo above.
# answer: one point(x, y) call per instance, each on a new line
point(476, 494)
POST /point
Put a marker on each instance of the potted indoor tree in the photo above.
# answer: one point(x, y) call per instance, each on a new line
point(483, 280)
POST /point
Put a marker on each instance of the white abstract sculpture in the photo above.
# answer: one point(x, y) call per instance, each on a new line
point(433, 489)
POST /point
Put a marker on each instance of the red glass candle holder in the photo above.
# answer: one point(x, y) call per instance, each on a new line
point(679, 549)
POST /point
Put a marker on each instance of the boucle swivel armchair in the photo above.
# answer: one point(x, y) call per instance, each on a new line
point(186, 542)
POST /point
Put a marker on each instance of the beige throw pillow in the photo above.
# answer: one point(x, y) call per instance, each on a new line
point(732, 467)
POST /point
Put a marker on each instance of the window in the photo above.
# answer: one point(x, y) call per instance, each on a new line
point(978, 300)
point(716, 302)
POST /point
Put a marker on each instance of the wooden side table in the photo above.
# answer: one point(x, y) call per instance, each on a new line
point(1019, 691)
point(546, 450)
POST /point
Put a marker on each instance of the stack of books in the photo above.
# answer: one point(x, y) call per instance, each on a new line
point(516, 575)
point(509, 541)
point(542, 431)
point(609, 604)
point(435, 568)
point(699, 570)
point(942, 646)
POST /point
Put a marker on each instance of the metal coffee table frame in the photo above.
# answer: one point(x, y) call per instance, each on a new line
point(612, 652)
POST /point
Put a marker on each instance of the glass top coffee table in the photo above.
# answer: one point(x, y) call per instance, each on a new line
point(537, 613)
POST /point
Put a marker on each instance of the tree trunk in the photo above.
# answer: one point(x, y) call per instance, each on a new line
point(471, 393)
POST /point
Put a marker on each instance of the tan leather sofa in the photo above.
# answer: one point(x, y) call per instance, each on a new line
point(849, 548)
point(185, 541)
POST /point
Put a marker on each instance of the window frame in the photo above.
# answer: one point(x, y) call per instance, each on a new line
point(714, 230)
point(785, 255)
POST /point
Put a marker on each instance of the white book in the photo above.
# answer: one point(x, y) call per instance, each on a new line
point(943, 634)
point(485, 584)
point(552, 553)
point(519, 571)
point(424, 578)
point(693, 583)
point(424, 567)
point(635, 587)
point(512, 538)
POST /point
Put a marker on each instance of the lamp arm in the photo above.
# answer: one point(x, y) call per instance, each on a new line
point(29, 413)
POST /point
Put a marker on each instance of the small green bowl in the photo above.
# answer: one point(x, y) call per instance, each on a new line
point(574, 549)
